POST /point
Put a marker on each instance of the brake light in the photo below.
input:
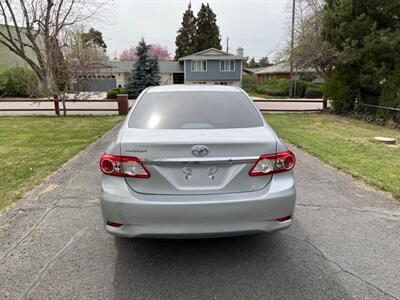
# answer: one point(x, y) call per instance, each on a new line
point(284, 219)
point(275, 163)
point(123, 166)
point(114, 224)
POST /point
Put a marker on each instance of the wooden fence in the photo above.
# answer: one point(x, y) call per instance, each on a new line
point(298, 102)
point(58, 109)
point(295, 105)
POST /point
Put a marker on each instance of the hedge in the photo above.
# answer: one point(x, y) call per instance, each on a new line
point(112, 94)
point(340, 92)
point(280, 87)
point(391, 97)
point(274, 87)
point(19, 82)
point(313, 92)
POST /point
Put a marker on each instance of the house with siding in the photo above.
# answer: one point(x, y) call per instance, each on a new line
point(211, 66)
point(282, 71)
point(105, 75)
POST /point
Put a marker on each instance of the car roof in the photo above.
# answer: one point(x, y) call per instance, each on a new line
point(192, 88)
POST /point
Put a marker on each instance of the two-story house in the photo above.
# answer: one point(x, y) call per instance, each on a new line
point(213, 66)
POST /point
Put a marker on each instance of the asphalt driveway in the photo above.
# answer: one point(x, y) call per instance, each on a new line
point(344, 244)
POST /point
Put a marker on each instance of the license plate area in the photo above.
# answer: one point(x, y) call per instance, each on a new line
point(197, 171)
point(199, 176)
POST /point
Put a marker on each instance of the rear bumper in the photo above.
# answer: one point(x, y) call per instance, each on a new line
point(144, 215)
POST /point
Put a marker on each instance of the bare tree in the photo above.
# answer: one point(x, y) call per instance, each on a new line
point(81, 54)
point(310, 48)
point(37, 31)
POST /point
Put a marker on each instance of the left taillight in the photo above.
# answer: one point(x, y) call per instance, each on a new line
point(123, 166)
point(275, 163)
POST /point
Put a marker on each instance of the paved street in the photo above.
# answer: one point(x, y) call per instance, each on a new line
point(344, 244)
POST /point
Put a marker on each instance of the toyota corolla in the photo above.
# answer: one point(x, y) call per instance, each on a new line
point(196, 161)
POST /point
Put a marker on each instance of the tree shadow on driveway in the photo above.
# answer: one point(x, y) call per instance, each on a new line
point(249, 267)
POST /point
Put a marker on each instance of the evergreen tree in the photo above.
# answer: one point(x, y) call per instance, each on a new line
point(185, 39)
point(146, 71)
point(207, 31)
point(366, 35)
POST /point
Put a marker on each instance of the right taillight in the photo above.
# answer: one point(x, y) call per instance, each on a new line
point(123, 166)
point(274, 163)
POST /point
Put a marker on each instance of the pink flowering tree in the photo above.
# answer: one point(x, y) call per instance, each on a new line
point(129, 54)
point(156, 51)
point(159, 52)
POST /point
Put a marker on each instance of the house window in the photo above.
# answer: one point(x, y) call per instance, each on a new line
point(227, 65)
point(199, 65)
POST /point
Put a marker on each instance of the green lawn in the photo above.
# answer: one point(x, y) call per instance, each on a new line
point(33, 147)
point(255, 94)
point(346, 144)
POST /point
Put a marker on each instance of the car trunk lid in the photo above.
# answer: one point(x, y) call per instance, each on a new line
point(168, 155)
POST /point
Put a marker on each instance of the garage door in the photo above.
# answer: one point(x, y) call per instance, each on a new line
point(97, 84)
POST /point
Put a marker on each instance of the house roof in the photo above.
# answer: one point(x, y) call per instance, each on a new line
point(279, 68)
point(253, 70)
point(127, 66)
point(211, 54)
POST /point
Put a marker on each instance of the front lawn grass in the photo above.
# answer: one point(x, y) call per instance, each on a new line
point(346, 144)
point(31, 148)
point(253, 93)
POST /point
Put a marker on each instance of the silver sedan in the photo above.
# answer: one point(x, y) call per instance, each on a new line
point(196, 161)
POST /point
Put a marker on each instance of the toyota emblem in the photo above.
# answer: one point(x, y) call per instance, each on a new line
point(200, 150)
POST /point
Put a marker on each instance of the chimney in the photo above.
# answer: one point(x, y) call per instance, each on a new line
point(240, 52)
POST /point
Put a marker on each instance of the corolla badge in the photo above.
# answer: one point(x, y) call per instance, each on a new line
point(200, 150)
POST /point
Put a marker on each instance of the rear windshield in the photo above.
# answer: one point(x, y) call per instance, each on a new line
point(195, 110)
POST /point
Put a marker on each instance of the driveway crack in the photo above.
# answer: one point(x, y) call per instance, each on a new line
point(41, 219)
point(342, 269)
point(367, 210)
point(50, 263)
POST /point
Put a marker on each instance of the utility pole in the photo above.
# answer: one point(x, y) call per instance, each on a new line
point(291, 95)
point(227, 44)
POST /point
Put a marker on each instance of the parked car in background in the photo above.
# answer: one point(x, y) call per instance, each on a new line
point(196, 161)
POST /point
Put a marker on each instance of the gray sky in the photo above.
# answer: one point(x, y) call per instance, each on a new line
point(259, 26)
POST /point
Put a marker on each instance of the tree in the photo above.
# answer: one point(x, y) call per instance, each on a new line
point(129, 54)
point(366, 36)
point(94, 38)
point(391, 97)
point(80, 54)
point(252, 63)
point(159, 52)
point(207, 31)
point(185, 44)
point(156, 51)
point(311, 50)
point(146, 71)
point(263, 62)
point(36, 31)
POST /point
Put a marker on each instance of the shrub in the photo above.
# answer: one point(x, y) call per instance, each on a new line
point(19, 82)
point(249, 82)
point(274, 87)
point(112, 94)
point(300, 88)
point(390, 97)
point(339, 91)
point(313, 92)
point(310, 77)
